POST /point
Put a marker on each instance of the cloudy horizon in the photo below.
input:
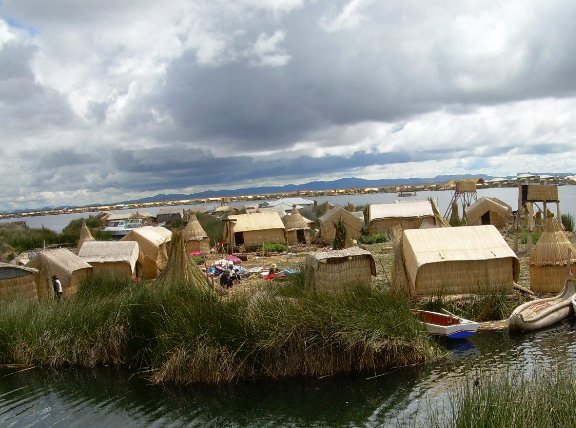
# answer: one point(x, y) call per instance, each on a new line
point(104, 101)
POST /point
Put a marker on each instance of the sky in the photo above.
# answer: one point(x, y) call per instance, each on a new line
point(108, 100)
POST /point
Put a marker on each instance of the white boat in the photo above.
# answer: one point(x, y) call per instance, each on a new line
point(444, 325)
point(541, 313)
point(120, 228)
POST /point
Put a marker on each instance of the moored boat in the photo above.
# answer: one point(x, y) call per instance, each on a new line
point(445, 325)
point(542, 313)
point(120, 228)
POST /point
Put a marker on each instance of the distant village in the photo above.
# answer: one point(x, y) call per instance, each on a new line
point(407, 189)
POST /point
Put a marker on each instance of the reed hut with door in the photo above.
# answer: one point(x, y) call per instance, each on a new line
point(297, 227)
point(17, 282)
point(549, 259)
point(456, 260)
point(488, 211)
point(383, 218)
point(352, 223)
point(194, 236)
point(337, 270)
point(253, 230)
point(154, 245)
point(85, 235)
point(112, 258)
point(63, 263)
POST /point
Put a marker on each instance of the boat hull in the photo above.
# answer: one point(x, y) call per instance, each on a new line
point(447, 326)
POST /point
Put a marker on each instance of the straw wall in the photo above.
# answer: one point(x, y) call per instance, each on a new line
point(337, 274)
point(547, 279)
point(254, 238)
point(386, 225)
point(292, 237)
point(121, 269)
point(542, 192)
point(70, 280)
point(328, 231)
point(464, 277)
point(198, 245)
point(495, 220)
point(466, 186)
point(18, 288)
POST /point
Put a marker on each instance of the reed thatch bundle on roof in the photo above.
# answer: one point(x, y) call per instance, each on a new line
point(383, 218)
point(549, 258)
point(252, 230)
point(85, 235)
point(69, 268)
point(112, 258)
point(194, 236)
point(339, 269)
point(180, 268)
point(297, 227)
point(17, 282)
point(154, 243)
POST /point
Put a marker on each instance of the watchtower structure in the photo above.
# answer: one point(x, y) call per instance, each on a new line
point(464, 195)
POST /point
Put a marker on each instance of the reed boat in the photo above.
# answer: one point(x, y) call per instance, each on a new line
point(542, 313)
point(446, 325)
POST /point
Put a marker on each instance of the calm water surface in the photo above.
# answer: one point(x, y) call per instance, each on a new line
point(401, 397)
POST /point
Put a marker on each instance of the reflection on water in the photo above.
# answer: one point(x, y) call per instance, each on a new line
point(113, 398)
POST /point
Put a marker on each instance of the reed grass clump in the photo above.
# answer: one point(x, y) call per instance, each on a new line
point(184, 334)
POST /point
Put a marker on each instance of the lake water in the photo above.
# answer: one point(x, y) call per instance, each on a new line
point(110, 398)
point(509, 195)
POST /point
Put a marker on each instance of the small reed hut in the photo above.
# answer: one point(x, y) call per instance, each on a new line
point(297, 227)
point(488, 211)
point(352, 223)
point(154, 243)
point(63, 263)
point(112, 258)
point(339, 269)
point(457, 260)
point(194, 236)
point(549, 259)
point(253, 230)
point(383, 218)
point(17, 282)
point(85, 235)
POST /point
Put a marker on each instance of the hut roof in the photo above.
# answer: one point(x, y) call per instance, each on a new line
point(295, 220)
point(223, 209)
point(8, 271)
point(484, 204)
point(118, 216)
point(401, 209)
point(156, 235)
point(335, 212)
point(193, 230)
point(290, 202)
point(85, 235)
point(170, 211)
point(553, 247)
point(256, 221)
point(62, 257)
point(456, 244)
point(313, 259)
point(110, 252)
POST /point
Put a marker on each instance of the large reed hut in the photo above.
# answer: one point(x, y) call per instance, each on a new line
point(383, 218)
point(549, 258)
point(488, 211)
point(339, 269)
point(194, 236)
point(154, 243)
point(85, 235)
point(17, 282)
point(252, 230)
point(112, 258)
point(297, 227)
point(457, 260)
point(352, 223)
point(63, 263)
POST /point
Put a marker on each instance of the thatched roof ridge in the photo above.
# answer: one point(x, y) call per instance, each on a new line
point(313, 259)
point(61, 257)
point(156, 235)
point(336, 212)
point(85, 235)
point(256, 221)
point(194, 230)
point(110, 252)
point(296, 221)
point(553, 247)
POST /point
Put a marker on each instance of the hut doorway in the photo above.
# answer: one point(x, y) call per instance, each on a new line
point(300, 237)
point(239, 238)
point(486, 218)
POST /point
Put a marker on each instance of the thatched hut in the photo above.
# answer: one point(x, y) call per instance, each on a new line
point(339, 269)
point(112, 258)
point(549, 258)
point(17, 282)
point(457, 260)
point(488, 211)
point(154, 243)
point(383, 218)
point(69, 268)
point(180, 268)
point(170, 215)
point(297, 227)
point(85, 235)
point(252, 230)
point(194, 236)
point(352, 223)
